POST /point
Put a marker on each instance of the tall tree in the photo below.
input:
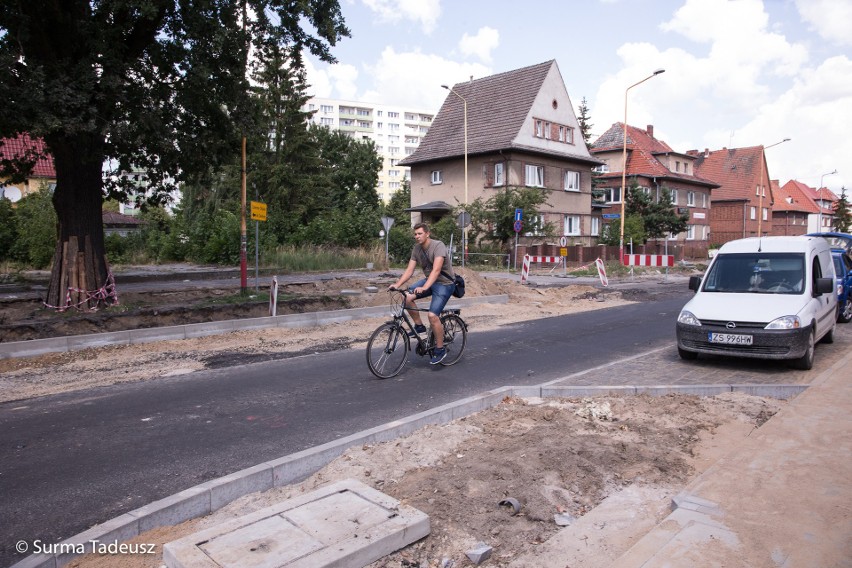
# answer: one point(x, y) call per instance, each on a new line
point(842, 215)
point(583, 118)
point(493, 220)
point(160, 85)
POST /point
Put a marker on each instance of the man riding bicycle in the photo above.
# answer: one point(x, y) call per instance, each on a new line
point(434, 257)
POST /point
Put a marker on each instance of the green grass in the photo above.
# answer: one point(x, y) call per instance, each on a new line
point(321, 258)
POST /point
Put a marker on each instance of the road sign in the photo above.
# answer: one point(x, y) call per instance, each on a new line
point(387, 223)
point(563, 251)
point(518, 226)
point(463, 219)
point(611, 215)
point(563, 241)
point(519, 214)
point(258, 211)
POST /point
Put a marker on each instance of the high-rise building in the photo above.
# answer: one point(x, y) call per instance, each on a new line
point(396, 131)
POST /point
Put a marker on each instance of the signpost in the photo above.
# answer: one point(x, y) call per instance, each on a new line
point(258, 213)
point(611, 215)
point(387, 223)
point(519, 224)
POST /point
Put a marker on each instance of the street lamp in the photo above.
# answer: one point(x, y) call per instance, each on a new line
point(624, 164)
point(760, 188)
point(464, 217)
point(819, 198)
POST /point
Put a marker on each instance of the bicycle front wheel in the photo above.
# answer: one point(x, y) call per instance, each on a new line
point(387, 350)
point(455, 338)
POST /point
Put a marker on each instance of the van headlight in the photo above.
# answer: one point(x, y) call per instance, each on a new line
point(687, 318)
point(785, 322)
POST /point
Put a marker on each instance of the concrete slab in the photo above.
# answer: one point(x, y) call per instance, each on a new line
point(341, 524)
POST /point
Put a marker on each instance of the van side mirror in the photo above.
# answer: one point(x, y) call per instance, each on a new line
point(823, 286)
point(694, 283)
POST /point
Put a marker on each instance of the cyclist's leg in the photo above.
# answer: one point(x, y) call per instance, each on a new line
point(440, 296)
point(411, 305)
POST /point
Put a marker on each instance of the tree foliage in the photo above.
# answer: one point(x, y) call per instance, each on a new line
point(842, 214)
point(160, 85)
point(35, 228)
point(659, 217)
point(492, 220)
point(583, 118)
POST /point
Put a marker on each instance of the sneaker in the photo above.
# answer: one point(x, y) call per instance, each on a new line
point(439, 355)
point(419, 328)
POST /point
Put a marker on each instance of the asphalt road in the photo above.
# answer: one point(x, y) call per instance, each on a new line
point(73, 460)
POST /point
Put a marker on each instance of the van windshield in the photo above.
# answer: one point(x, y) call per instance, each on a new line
point(759, 273)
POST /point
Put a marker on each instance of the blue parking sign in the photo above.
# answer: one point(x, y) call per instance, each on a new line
point(519, 214)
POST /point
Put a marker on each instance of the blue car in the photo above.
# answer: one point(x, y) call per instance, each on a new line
point(836, 240)
point(843, 270)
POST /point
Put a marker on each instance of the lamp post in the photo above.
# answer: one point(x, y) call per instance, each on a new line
point(624, 164)
point(464, 217)
point(819, 198)
point(760, 188)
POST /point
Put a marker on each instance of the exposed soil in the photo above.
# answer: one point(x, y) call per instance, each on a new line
point(555, 457)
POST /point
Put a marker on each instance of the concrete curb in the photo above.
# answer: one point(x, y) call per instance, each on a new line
point(187, 331)
point(210, 496)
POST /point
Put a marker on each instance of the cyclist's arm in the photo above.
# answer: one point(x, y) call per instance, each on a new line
point(406, 276)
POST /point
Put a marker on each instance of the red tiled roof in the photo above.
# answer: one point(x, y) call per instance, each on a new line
point(114, 218)
point(22, 147)
point(643, 149)
point(736, 170)
point(793, 197)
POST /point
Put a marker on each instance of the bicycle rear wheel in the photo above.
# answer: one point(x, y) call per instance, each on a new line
point(387, 350)
point(455, 338)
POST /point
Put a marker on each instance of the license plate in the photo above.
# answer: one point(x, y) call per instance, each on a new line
point(729, 338)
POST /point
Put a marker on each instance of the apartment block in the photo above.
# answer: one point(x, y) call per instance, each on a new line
point(396, 131)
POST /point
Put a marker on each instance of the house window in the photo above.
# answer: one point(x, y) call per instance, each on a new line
point(572, 181)
point(326, 109)
point(547, 130)
point(561, 133)
point(677, 166)
point(674, 196)
point(690, 198)
point(393, 173)
point(753, 213)
point(612, 195)
point(437, 177)
point(572, 225)
point(704, 200)
point(393, 127)
point(393, 115)
point(534, 226)
point(596, 226)
point(690, 232)
point(498, 173)
point(765, 214)
point(569, 135)
point(534, 176)
point(326, 121)
point(539, 129)
point(393, 185)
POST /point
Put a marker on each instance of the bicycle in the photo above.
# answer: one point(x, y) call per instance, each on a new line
point(388, 346)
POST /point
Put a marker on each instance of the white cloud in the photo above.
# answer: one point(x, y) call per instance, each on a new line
point(480, 45)
point(426, 12)
point(414, 79)
point(828, 18)
point(337, 81)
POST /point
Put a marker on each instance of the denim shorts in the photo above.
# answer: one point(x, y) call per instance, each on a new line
point(440, 294)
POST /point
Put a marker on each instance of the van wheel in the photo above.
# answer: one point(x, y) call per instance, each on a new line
point(687, 355)
point(806, 361)
point(845, 314)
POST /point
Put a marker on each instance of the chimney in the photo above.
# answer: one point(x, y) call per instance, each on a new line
point(706, 152)
point(650, 130)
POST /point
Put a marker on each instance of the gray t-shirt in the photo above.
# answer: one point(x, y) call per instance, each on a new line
point(426, 259)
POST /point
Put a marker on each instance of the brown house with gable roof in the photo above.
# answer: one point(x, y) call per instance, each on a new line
point(521, 132)
point(792, 209)
point(742, 205)
point(654, 165)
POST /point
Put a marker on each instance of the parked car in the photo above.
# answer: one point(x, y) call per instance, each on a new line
point(836, 240)
point(767, 298)
point(843, 272)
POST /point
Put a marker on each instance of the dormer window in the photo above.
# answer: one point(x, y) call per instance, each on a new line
point(437, 177)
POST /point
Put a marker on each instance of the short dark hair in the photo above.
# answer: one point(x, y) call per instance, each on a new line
point(423, 226)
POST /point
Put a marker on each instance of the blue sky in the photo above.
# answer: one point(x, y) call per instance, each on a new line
point(738, 72)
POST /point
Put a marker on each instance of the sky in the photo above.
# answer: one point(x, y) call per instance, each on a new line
point(738, 73)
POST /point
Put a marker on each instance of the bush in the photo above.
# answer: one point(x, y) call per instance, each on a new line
point(36, 229)
point(8, 229)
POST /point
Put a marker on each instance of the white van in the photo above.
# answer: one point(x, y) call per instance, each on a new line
point(762, 297)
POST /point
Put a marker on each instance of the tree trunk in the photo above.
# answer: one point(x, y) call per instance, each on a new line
point(80, 277)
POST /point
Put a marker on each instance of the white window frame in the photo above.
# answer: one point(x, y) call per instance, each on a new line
point(673, 194)
point(533, 175)
point(595, 226)
point(690, 232)
point(499, 173)
point(765, 213)
point(610, 195)
point(690, 199)
point(539, 128)
point(571, 225)
point(437, 177)
point(571, 181)
point(535, 226)
point(752, 213)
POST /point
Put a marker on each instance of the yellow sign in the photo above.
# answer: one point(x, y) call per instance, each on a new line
point(563, 251)
point(258, 211)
